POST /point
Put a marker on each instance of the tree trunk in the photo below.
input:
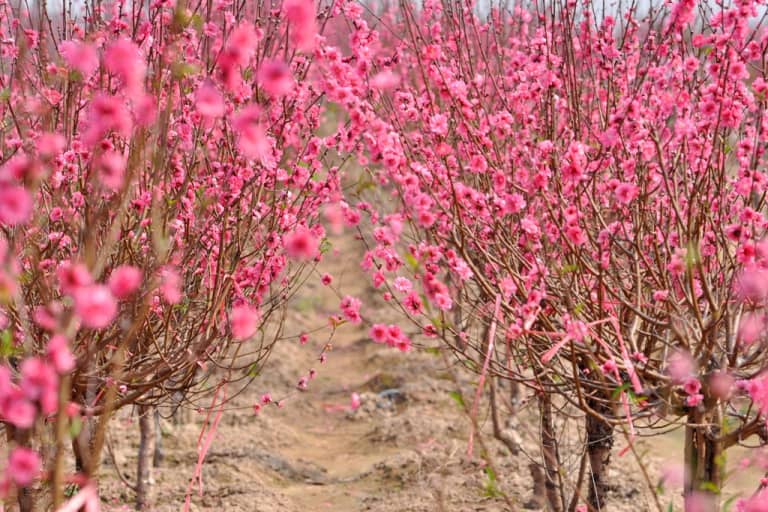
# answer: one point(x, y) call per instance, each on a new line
point(599, 445)
point(146, 455)
point(704, 464)
point(159, 454)
point(549, 451)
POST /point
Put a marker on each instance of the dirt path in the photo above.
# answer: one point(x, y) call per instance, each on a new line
point(403, 449)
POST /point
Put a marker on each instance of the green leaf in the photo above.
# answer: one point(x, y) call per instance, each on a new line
point(182, 70)
point(325, 246)
point(75, 427)
point(457, 397)
point(253, 370)
point(433, 351)
point(7, 347)
point(491, 490)
point(729, 503)
point(692, 254)
point(411, 260)
point(720, 460)
point(619, 390)
point(711, 487)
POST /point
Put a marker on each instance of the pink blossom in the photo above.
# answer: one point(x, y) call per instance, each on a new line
point(609, 367)
point(626, 193)
point(478, 164)
point(385, 80)
point(252, 139)
point(244, 321)
point(303, 27)
point(673, 475)
point(39, 382)
point(402, 284)
point(124, 281)
point(413, 303)
point(73, 276)
point(350, 306)
point(326, 279)
point(275, 77)
point(753, 284)
point(699, 501)
point(111, 169)
point(59, 354)
point(124, 59)
point(680, 366)
point(107, 113)
point(354, 401)
point(301, 244)
point(209, 102)
point(438, 124)
point(51, 144)
point(443, 301)
point(15, 205)
point(721, 385)
point(17, 410)
point(379, 333)
point(23, 465)
point(80, 56)
point(95, 305)
point(691, 385)
point(170, 285)
point(243, 42)
point(751, 328)
point(758, 391)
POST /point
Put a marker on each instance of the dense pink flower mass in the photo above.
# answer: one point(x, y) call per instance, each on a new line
point(95, 305)
point(15, 205)
point(245, 321)
point(275, 77)
point(571, 200)
point(80, 56)
point(301, 243)
point(23, 465)
point(164, 173)
point(124, 281)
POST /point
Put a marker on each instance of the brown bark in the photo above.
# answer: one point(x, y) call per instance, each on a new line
point(704, 461)
point(599, 445)
point(550, 455)
point(146, 454)
point(498, 430)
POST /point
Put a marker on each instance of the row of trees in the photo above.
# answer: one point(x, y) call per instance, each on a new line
point(162, 178)
point(601, 181)
point(570, 201)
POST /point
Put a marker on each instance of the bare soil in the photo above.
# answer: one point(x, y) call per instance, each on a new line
point(403, 449)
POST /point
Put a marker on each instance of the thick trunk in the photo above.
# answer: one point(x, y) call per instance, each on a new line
point(599, 445)
point(146, 454)
point(704, 464)
point(549, 451)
